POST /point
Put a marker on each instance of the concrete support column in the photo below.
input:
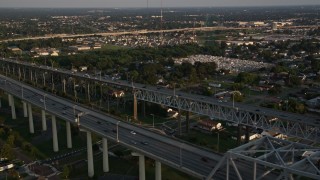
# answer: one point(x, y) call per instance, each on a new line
point(142, 172)
point(158, 170)
point(25, 109)
point(144, 108)
point(135, 109)
point(90, 155)
point(64, 86)
point(54, 134)
point(88, 92)
point(9, 99)
point(239, 134)
point(0, 103)
point(247, 134)
point(44, 120)
point(31, 128)
point(69, 139)
point(13, 108)
point(187, 121)
point(179, 123)
point(105, 157)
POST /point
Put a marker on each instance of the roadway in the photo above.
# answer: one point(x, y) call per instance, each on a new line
point(175, 153)
point(300, 118)
point(221, 28)
point(190, 159)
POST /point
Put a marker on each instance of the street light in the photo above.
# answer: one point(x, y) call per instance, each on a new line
point(44, 101)
point(152, 120)
point(78, 117)
point(118, 131)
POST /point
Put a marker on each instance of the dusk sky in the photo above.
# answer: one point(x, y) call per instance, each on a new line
point(152, 3)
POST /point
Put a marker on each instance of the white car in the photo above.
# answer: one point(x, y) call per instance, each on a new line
point(132, 132)
point(41, 100)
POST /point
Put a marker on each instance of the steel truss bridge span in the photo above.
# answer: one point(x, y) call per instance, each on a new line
point(290, 124)
point(266, 158)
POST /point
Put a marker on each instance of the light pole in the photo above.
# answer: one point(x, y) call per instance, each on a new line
point(44, 101)
point(74, 110)
point(78, 117)
point(118, 131)
point(218, 143)
point(152, 120)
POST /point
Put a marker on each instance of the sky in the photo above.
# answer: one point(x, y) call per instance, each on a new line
point(151, 3)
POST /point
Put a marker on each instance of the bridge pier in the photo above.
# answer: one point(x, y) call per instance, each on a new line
point(13, 108)
point(239, 134)
point(90, 155)
point(142, 171)
point(44, 121)
point(135, 109)
point(31, 128)
point(187, 121)
point(9, 99)
point(0, 103)
point(105, 157)
point(54, 134)
point(69, 139)
point(144, 108)
point(158, 170)
point(25, 109)
point(247, 135)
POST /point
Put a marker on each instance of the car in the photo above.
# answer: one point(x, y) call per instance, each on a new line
point(133, 142)
point(114, 130)
point(144, 142)
point(132, 132)
point(105, 130)
point(64, 112)
point(65, 108)
point(99, 122)
point(41, 100)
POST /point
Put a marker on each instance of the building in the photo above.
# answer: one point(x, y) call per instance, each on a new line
point(209, 125)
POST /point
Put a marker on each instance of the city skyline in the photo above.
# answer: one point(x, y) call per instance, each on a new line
point(149, 3)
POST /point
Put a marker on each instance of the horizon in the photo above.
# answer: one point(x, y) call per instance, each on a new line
point(191, 7)
point(152, 3)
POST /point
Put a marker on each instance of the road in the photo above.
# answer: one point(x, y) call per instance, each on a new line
point(302, 126)
point(221, 28)
point(185, 157)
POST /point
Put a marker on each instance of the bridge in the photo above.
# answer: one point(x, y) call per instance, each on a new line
point(93, 90)
point(202, 163)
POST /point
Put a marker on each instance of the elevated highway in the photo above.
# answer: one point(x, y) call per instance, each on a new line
point(291, 124)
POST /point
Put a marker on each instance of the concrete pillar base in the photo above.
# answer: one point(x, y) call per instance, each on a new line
point(31, 127)
point(69, 138)
point(44, 120)
point(54, 134)
point(90, 155)
point(105, 157)
point(142, 171)
point(158, 170)
point(25, 109)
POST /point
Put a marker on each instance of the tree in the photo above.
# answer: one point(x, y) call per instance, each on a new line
point(6, 152)
point(66, 171)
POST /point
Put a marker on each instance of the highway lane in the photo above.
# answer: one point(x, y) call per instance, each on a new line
point(172, 152)
point(306, 119)
point(169, 151)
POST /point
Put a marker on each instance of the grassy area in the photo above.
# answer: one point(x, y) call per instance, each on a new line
point(211, 140)
point(127, 166)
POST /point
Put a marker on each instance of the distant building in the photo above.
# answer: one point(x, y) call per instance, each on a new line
point(15, 49)
point(274, 26)
point(79, 48)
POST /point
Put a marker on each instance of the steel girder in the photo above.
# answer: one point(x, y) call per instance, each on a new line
point(87, 87)
point(270, 158)
point(233, 115)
